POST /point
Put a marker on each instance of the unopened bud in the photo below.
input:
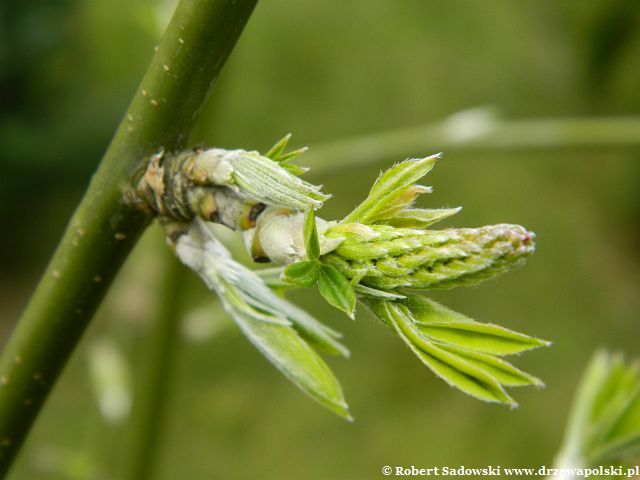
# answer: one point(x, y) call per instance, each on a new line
point(230, 187)
point(279, 237)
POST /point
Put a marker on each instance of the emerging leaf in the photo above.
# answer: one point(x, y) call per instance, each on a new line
point(337, 290)
point(277, 328)
point(276, 151)
point(304, 274)
point(311, 242)
point(285, 157)
point(444, 325)
point(420, 217)
point(266, 181)
point(398, 203)
point(311, 330)
point(604, 425)
point(296, 360)
point(392, 191)
point(505, 373)
point(294, 169)
point(459, 350)
point(451, 367)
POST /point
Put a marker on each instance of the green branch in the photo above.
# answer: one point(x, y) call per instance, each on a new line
point(104, 228)
point(476, 131)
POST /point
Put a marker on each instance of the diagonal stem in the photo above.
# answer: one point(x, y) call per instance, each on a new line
point(104, 228)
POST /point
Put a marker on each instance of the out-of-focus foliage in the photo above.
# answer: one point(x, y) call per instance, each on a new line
point(326, 70)
point(604, 424)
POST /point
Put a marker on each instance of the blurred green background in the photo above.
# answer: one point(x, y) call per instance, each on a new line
point(327, 70)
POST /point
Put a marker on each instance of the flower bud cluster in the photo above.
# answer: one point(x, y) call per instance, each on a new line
point(387, 258)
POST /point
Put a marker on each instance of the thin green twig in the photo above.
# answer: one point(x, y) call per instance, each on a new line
point(104, 228)
point(476, 131)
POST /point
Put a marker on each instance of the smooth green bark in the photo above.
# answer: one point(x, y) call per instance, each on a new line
point(104, 228)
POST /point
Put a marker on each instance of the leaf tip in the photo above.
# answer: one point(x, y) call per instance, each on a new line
point(542, 342)
point(341, 409)
point(536, 382)
point(431, 159)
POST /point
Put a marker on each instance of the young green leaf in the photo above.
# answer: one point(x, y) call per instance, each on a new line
point(252, 304)
point(459, 360)
point(481, 337)
point(420, 217)
point(296, 360)
point(452, 368)
point(502, 371)
point(313, 332)
point(294, 169)
point(223, 269)
point(304, 274)
point(275, 152)
point(444, 325)
point(240, 300)
point(285, 157)
point(311, 241)
point(465, 377)
point(336, 289)
point(399, 202)
point(386, 195)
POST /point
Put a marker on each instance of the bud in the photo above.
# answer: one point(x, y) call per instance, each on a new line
point(385, 257)
point(231, 187)
point(279, 237)
point(267, 181)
